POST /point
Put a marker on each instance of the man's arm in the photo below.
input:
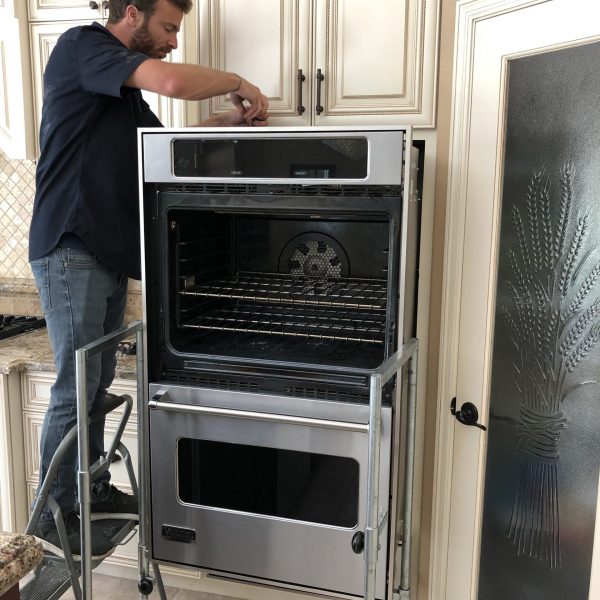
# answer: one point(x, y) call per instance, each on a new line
point(193, 82)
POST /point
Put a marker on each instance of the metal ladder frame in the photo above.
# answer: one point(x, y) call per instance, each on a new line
point(406, 355)
point(81, 356)
point(71, 566)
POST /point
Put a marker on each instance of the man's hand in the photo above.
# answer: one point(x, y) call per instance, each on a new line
point(259, 103)
point(234, 118)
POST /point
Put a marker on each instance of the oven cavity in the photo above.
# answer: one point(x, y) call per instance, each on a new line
point(295, 289)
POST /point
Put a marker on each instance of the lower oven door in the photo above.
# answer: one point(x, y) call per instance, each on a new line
point(269, 488)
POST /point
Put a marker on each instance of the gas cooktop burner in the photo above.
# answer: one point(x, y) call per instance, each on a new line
point(14, 324)
point(126, 348)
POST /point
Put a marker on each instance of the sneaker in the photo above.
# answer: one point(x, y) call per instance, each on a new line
point(101, 537)
point(106, 498)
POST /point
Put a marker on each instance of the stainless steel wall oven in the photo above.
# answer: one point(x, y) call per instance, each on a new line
point(276, 281)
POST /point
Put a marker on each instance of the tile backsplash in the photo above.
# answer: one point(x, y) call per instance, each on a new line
point(17, 189)
point(18, 294)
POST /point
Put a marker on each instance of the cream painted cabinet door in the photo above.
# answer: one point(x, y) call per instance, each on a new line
point(489, 34)
point(327, 62)
point(16, 128)
point(267, 43)
point(377, 60)
point(67, 10)
point(43, 39)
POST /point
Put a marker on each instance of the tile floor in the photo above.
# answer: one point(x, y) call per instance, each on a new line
point(110, 588)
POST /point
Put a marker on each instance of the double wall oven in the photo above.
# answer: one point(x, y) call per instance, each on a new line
point(279, 271)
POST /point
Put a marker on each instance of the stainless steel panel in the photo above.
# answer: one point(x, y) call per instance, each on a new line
point(386, 150)
point(296, 552)
point(283, 405)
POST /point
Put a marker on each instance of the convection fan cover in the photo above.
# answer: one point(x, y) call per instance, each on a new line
point(314, 254)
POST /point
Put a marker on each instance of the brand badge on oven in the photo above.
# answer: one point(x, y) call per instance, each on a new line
point(178, 534)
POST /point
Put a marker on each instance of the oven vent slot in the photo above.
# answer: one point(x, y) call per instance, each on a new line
point(217, 383)
point(330, 189)
point(325, 394)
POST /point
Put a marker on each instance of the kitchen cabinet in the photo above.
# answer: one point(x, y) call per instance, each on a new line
point(68, 10)
point(28, 34)
point(16, 127)
point(44, 36)
point(34, 397)
point(327, 62)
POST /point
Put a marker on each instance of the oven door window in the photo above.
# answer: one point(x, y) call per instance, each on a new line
point(289, 484)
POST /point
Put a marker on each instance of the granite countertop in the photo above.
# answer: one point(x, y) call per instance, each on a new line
point(19, 554)
point(31, 352)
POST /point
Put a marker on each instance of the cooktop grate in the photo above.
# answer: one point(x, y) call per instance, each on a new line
point(11, 325)
point(321, 323)
point(277, 288)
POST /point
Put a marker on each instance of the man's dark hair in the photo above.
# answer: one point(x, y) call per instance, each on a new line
point(116, 8)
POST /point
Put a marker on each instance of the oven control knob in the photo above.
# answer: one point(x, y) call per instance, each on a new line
point(358, 542)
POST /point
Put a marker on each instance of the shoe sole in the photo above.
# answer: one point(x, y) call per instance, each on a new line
point(57, 551)
point(115, 516)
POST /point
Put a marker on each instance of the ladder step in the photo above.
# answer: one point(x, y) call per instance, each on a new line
point(50, 583)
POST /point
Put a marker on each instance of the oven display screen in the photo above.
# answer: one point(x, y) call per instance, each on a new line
point(303, 486)
point(272, 158)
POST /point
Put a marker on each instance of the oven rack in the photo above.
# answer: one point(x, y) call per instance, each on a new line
point(298, 321)
point(279, 288)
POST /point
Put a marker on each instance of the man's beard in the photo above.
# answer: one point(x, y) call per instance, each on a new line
point(141, 41)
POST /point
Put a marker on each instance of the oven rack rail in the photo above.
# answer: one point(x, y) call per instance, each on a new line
point(297, 321)
point(278, 288)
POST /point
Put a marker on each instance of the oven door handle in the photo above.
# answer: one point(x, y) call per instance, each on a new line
point(257, 416)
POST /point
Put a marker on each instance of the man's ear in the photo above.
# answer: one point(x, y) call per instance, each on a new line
point(132, 15)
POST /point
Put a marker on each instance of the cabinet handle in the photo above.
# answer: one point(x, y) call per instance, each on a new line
point(320, 78)
point(93, 5)
point(301, 78)
point(105, 4)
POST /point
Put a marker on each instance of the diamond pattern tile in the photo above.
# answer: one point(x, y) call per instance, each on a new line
point(17, 190)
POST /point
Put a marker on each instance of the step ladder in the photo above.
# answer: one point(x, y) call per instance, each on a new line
point(60, 569)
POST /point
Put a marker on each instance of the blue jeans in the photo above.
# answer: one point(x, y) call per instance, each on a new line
point(82, 300)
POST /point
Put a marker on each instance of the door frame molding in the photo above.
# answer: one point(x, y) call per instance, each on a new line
point(469, 15)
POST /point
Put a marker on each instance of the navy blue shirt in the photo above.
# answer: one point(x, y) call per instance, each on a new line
point(86, 179)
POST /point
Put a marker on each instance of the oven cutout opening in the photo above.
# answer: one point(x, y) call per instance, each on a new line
point(286, 484)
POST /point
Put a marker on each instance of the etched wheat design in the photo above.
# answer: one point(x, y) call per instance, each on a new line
point(553, 322)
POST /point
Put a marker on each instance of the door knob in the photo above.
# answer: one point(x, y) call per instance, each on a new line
point(467, 415)
point(93, 5)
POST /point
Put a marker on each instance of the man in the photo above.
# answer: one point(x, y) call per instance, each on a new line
point(84, 238)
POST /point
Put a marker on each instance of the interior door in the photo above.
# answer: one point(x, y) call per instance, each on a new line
point(16, 130)
point(491, 192)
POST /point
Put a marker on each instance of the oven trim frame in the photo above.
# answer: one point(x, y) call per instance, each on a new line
point(410, 349)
